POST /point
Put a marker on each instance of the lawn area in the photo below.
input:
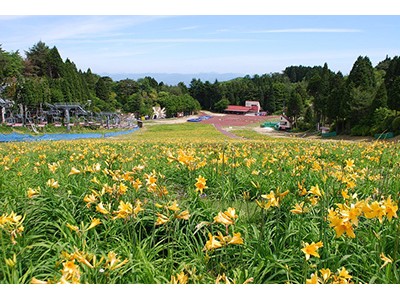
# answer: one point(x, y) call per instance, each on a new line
point(182, 203)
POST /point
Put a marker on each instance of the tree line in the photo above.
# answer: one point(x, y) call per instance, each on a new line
point(364, 102)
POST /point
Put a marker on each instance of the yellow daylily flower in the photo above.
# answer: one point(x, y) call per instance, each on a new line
point(390, 208)
point(311, 249)
point(74, 171)
point(180, 278)
point(100, 208)
point(184, 215)
point(315, 190)
point(37, 281)
point(326, 274)
point(386, 260)
point(94, 223)
point(201, 184)
point(161, 219)
point(174, 206)
point(52, 183)
point(212, 243)
point(314, 279)
point(33, 192)
point(299, 208)
point(236, 239)
point(73, 227)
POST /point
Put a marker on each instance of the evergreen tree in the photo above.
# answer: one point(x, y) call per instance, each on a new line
point(392, 83)
point(380, 99)
point(55, 64)
point(362, 74)
point(103, 89)
point(394, 95)
point(295, 105)
point(38, 57)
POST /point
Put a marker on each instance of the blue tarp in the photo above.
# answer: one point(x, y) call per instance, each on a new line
point(19, 137)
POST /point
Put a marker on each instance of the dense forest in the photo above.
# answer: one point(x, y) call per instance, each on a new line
point(364, 102)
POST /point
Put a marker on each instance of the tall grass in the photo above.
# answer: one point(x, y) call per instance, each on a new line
point(127, 210)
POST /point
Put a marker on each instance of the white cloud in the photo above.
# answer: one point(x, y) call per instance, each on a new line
point(308, 30)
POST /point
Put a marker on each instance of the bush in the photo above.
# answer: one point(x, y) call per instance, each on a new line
point(302, 125)
point(382, 120)
point(396, 125)
point(362, 130)
point(221, 105)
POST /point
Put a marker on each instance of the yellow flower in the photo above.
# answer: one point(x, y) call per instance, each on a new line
point(137, 184)
point(33, 192)
point(124, 210)
point(302, 190)
point(180, 278)
point(236, 239)
point(53, 184)
point(200, 184)
point(222, 218)
point(95, 180)
point(223, 278)
point(94, 223)
point(326, 274)
point(138, 208)
point(231, 213)
point(52, 167)
point(390, 208)
point(37, 281)
point(345, 194)
point(150, 179)
point(212, 243)
point(315, 191)
point(11, 262)
point(161, 219)
point(299, 208)
point(271, 198)
point(184, 215)
point(174, 206)
point(74, 171)
point(122, 188)
point(100, 208)
point(311, 249)
point(90, 199)
point(349, 164)
point(70, 269)
point(314, 279)
point(374, 210)
point(113, 262)
point(73, 227)
point(386, 260)
point(343, 276)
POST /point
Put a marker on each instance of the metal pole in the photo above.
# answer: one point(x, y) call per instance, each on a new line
point(67, 119)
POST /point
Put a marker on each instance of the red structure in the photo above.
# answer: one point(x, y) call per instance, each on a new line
point(251, 107)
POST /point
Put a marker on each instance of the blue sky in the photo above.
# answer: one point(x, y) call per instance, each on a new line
point(245, 44)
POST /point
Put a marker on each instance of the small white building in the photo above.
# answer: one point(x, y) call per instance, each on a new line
point(285, 123)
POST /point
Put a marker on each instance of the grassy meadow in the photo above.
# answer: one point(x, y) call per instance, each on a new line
point(185, 204)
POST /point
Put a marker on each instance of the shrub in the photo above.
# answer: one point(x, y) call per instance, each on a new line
point(362, 130)
point(396, 125)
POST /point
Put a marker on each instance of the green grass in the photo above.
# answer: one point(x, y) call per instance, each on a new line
point(137, 248)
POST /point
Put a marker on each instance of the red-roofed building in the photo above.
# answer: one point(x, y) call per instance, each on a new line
point(250, 107)
point(285, 123)
point(237, 109)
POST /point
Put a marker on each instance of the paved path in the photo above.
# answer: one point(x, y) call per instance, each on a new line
point(227, 133)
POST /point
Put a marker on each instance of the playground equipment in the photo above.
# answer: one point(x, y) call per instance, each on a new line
point(60, 114)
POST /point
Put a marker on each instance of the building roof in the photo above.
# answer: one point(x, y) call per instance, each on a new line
point(287, 118)
point(238, 108)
